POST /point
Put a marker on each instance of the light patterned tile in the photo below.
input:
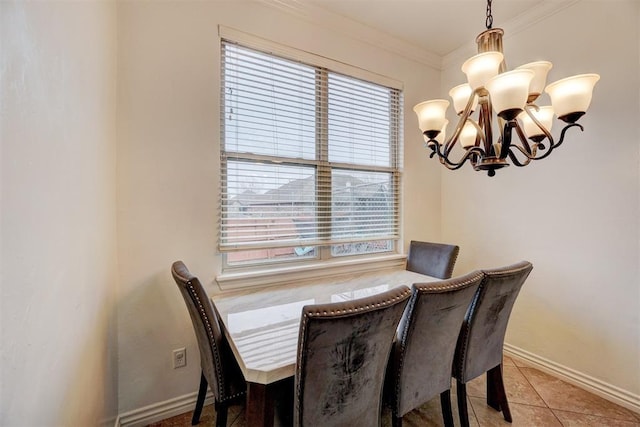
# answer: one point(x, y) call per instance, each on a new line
point(522, 415)
point(518, 388)
point(561, 395)
point(240, 421)
point(430, 415)
point(207, 418)
point(573, 419)
point(477, 387)
point(473, 421)
point(507, 361)
point(235, 412)
point(521, 363)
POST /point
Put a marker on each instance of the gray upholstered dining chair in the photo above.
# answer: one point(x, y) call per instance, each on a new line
point(432, 259)
point(480, 344)
point(422, 356)
point(343, 350)
point(220, 371)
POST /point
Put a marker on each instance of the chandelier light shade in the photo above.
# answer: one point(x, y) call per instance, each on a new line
point(468, 135)
point(481, 67)
point(441, 136)
point(572, 95)
point(460, 95)
point(431, 116)
point(443, 133)
point(509, 92)
point(493, 95)
point(540, 70)
point(544, 115)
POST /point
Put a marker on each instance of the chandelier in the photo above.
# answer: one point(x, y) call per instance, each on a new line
point(512, 95)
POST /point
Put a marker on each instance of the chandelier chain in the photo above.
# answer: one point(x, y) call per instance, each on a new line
point(489, 21)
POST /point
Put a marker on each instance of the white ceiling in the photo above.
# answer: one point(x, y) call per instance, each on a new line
point(437, 26)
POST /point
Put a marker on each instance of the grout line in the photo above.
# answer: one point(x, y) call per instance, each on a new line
point(599, 417)
point(535, 389)
point(536, 392)
point(556, 417)
point(473, 410)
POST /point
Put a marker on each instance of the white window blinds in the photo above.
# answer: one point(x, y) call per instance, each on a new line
point(309, 157)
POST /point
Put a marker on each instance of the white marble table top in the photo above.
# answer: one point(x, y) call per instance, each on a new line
point(262, 324)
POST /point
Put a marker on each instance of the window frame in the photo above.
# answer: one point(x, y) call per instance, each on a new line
point(323, 258)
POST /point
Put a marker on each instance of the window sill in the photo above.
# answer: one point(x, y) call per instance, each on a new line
point(284, 275)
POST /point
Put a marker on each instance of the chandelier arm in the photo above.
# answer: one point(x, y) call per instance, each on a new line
point(517, 161)
point(546, 132)
point(444, 158)
point(564, 130)
point(469, 155)
point(434, 151)
point(466, 114)
point(504, 147)
point(523, 139)
point(480, 135)
point(451, 142)
point(529, 156)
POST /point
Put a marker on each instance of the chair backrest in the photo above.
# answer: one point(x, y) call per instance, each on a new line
point(343, 350)
point(481, 339)
point(432, 259)
point(422, 357)
point(217, 363)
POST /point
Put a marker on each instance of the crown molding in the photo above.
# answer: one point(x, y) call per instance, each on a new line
point(513, 26)
point(356, 30)
point(374, 37)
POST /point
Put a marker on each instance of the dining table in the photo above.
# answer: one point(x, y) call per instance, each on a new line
point(262, 325)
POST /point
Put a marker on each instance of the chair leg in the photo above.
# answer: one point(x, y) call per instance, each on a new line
point(495, 386)
point(461, 392)
point(221, 414)
point(492, 392)
point(202, 393)
point(445, 402)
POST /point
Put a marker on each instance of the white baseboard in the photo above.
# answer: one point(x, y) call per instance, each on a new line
point(600, 388)
point(160, 410)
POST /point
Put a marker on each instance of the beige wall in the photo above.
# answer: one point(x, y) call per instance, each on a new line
point(58, 344)
point(168, 124)
point(574, 215)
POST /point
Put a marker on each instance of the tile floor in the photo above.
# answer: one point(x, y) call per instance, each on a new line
point(535, 399)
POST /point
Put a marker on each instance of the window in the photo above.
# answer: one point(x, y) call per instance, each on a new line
point(309, 161)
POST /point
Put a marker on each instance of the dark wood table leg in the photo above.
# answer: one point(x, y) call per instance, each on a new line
point(260, 403)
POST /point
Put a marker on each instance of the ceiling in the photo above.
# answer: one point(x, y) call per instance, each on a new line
point(437, 26)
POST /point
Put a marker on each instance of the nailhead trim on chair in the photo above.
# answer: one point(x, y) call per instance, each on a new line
point(466, 330)
point(358, 309)
point(452, 285)
point(307, 316)
point(203, 314)
point(474, 302)
point(430, 287)
point(220, 381)
point(452, 263)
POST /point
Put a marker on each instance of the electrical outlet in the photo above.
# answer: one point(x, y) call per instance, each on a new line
point(179, 358)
